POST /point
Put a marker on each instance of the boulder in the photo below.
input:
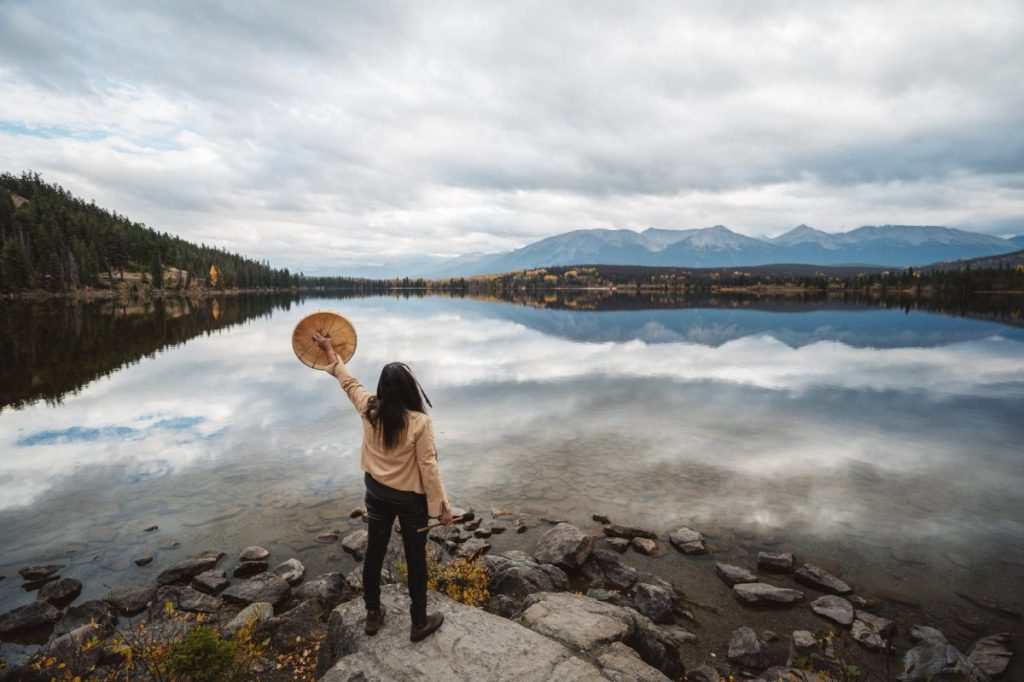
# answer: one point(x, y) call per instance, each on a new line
point(628, 532)
point(563, 545)
point(644, 546)
point(184, 598)
point(688, 540)
point(255, 613)
point(472, 546)
point(704, 672)
point(834, 608)
point(292, 570)
point(517, 578)
point(130, 600)
point(775, 562)
point(746, 649)
point(97, 611)
point(61, 592)
point(992, 654)
point(247, 569)
point(763, 594)
point(606, 570)
point(734, 575)
point(621, 664)
point(26, 621)
point(254, 553)
point(653, 601)
point(263, 587)
point(355, 543)
point(295, 628)
point(585, 625)
point(472, 645)
point(820, 579)
point(211, 582)
point(874, 632)
point(185, 570)
point(601, 518)
point(70, 651)
point(331, 588)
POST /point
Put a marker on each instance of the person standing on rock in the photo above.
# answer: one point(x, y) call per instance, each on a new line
point(402, 479)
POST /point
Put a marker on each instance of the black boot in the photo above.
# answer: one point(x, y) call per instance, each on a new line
point(421, 630)
point(374, 619)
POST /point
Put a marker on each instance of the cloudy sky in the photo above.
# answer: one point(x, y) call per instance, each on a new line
point(326, 135)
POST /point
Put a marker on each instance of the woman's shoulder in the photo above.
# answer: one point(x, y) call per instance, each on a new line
point(419, 420)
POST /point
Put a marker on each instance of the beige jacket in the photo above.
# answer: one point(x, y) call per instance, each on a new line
point(412, 464)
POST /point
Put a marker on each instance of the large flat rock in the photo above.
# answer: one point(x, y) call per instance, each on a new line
point(471, 645)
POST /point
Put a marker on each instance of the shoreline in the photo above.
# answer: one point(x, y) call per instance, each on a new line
point(605, 562)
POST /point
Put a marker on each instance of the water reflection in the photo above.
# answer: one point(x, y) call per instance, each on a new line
point(873, 431)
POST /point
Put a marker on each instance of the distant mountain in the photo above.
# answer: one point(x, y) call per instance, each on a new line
point(1018, 240)
point(718, 246)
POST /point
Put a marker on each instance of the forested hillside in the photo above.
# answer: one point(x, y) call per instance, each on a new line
point(52, 241)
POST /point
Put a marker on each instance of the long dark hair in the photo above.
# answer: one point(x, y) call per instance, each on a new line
point(397, 392)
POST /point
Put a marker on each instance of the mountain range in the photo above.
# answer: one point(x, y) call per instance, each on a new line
point(718, 246)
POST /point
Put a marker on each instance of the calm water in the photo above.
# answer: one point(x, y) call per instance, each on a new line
point(890, 443)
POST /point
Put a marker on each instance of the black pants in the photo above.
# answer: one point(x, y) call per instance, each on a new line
point(383, 504)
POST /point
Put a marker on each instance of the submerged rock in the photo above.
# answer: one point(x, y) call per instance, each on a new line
point(247, 569)
point(734, 575)
point(472, 645)
point(40, 571)
point(992, 654)
point(763, 594)
point(254, 553)
point(688, 540)
point(292, 570)
point(605, 569)
point(775, 562)
point(564, 545)
point(644, 546)
point(834, 608)
point(628, 532)
point(820, 579)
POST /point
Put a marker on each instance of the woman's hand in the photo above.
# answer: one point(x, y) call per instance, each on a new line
point(324, 342)
point(446, 516)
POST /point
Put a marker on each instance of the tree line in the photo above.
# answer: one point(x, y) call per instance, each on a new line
point(53, 241)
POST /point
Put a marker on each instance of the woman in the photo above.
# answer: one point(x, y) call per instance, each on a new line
point(402, 479)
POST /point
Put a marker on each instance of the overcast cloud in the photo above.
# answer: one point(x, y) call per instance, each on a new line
point(323, 135)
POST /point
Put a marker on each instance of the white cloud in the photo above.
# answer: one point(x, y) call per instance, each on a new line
point(335, 134)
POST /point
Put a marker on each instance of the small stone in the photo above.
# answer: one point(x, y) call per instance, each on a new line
point(329, 536)
point(254, 553)
point(992, 654)
point(746, 649)
point(688, 540)
point(775, 562)
point(185, 570)
point(355, 543)
point(211, 582)
point(255, 614)
point(871, 631)
point(734, 575)
point(173, 544)
point(564, 545)
point(150, 529)
point(498, 512)
point(763, 594)
point(618, 544)
point(358, 512)
point(473, 546)
point(644, 546)
point(482, 533)
point(144, 560)
point(553, 520)
point(292, 570)
point(834, 608)
point(185, 598)
point(39, 572)
point(769, 636)
point(473, 525)
point(61, 592)
point(247, 569)
point(820, 579)
point(600, 518)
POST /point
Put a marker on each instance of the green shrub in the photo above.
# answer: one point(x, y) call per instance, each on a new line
point(202, 655)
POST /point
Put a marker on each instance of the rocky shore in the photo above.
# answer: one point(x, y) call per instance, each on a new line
point(573, 607)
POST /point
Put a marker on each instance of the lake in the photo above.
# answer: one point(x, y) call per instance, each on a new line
point(886, 442)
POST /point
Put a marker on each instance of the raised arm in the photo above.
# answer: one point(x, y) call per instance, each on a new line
point(430, 474)
point(359, 396)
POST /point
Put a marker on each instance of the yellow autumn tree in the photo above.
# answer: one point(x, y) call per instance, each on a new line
point(213, 275)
